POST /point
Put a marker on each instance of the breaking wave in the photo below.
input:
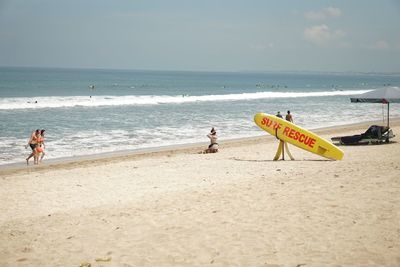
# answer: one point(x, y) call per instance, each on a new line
point(105, 100)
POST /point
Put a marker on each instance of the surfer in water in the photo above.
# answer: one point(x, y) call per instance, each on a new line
point(91, 87)
point(279, 115)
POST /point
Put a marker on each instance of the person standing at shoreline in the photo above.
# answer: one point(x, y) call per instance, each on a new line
point(33, 141)
point(289, 117)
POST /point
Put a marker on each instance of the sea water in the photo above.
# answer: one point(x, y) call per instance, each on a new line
point(88, 112)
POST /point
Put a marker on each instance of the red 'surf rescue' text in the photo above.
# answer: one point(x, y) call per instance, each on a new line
point(289, 132)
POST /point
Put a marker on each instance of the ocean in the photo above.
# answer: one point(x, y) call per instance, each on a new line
point(92, 111)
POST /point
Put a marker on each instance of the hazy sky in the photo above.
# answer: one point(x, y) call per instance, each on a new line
point(214, 35)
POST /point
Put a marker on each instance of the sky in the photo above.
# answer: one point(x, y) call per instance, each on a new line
point(206, 35)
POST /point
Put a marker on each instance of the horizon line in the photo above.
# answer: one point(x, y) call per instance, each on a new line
point(204, 71)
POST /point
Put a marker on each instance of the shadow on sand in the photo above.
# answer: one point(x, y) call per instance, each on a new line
point(271, 160)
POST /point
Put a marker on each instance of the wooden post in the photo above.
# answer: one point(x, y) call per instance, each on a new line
point(288, 152)
point(281, 151)
point(388, 114)
point(281, 148)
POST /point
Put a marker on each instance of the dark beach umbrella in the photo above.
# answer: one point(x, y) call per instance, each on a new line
point(385, 95)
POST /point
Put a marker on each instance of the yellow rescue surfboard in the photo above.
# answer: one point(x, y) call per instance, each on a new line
point(297, 136)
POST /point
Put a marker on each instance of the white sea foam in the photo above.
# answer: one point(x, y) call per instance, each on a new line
point(88, 141)
point(106, 100)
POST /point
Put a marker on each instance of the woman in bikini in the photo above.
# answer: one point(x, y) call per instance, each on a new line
point(39, 150)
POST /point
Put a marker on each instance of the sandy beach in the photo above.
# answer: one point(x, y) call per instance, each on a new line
point(233, 208)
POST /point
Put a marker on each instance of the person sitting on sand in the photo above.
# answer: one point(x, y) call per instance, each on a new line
point(213, 147)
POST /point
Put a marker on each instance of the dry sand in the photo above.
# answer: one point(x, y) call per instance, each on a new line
point(233, 208)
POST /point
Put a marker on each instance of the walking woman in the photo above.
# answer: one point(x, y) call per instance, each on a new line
point(39, 150)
